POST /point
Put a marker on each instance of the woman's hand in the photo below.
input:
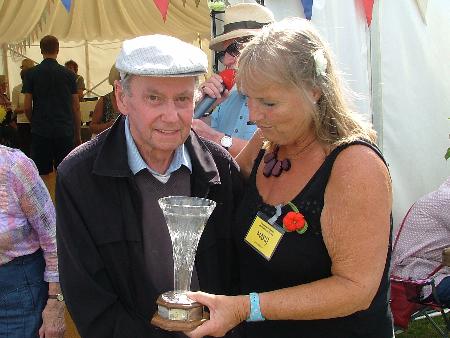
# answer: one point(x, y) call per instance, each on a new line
point(225, 313)
point(53, 324)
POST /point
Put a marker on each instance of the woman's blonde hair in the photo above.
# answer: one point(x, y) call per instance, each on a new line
point(292, 53)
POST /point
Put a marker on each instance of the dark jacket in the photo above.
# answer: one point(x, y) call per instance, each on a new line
point(99, 234)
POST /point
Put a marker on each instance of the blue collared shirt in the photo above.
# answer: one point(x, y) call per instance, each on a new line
point(232, 115)
point(137, 163)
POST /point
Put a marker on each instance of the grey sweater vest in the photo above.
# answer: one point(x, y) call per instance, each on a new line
point(157, 243)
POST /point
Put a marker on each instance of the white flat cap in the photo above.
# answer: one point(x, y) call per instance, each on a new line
point(161, 56)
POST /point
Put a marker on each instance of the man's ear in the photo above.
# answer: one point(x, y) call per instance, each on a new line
point(120, 97)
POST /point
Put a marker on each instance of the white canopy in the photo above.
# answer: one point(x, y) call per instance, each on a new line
point(100, 20)
point(91, 34)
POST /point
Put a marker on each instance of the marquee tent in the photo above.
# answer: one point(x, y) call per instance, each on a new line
point(91, 33)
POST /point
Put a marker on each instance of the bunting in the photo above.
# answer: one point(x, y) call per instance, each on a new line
point(307, 8)
point(423, 4)
point(21, 46)
point(162, 5)
point(368, 7)
point(67, 4)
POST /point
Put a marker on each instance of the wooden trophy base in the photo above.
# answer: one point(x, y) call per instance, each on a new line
point(178, 316)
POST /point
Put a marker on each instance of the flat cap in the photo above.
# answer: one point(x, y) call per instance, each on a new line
point(161, 56)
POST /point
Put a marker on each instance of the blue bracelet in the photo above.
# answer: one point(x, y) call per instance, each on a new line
point(255, 310)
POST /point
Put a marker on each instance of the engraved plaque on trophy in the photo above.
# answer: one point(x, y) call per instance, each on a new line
point(186, 218)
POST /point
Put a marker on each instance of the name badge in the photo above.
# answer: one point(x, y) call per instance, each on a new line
point(263, 236)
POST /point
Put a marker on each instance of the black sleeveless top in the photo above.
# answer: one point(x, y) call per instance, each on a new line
point(301, 259)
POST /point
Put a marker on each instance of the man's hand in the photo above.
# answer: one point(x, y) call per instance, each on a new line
point(213, 87)
point(53, 324)
point(206, 131)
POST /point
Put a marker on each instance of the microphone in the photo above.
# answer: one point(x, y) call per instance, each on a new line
point(205, 104)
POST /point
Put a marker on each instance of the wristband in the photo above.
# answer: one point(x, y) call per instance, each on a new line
point(255, 310)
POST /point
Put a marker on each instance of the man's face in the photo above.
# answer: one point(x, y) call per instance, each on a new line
point(233, 48)
point(72, 68)
point(159, 110)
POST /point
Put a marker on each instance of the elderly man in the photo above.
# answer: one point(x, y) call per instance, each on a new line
point(230, 125)
point(114, 248)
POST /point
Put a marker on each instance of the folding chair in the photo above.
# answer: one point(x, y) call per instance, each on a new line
point(407, 300)
point(408, 303)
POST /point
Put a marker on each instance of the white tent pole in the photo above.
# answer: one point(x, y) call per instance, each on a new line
point(375, 70)
point(5, 65)
point(88, 72)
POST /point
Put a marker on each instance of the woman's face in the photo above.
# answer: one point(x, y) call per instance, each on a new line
point(282, 113)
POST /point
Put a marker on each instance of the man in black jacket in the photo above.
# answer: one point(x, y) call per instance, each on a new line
point(114, 249)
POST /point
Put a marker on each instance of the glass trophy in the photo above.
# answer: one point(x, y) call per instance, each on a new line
point(186, 218)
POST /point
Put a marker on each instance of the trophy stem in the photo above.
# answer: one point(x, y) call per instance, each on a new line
point(182, 278)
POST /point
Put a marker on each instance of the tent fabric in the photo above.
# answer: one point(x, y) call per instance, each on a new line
point(101, 20)
point(414, 76)
point(91, 34)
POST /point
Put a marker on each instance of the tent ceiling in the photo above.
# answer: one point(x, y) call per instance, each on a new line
point(29, 20)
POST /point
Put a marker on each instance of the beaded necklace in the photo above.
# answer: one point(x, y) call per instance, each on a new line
point(275, 167)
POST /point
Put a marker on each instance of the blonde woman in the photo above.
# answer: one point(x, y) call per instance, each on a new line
point(312, 233)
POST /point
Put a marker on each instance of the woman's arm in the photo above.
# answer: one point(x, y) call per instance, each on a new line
point(96, 126)
point(356, 228)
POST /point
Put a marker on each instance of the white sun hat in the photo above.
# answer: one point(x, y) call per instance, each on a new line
point(241, 20)
point(160, 56)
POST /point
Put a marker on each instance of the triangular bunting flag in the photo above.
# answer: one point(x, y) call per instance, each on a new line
point(162, 7)
point(368, 7)
point(67, 4)
point(423, 4)
point(307, 8)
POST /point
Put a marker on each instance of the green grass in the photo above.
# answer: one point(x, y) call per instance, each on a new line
point(422, 328)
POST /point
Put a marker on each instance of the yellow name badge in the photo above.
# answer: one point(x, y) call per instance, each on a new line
point(263, 237)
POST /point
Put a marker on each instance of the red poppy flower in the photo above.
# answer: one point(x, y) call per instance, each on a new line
point(294, 221)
